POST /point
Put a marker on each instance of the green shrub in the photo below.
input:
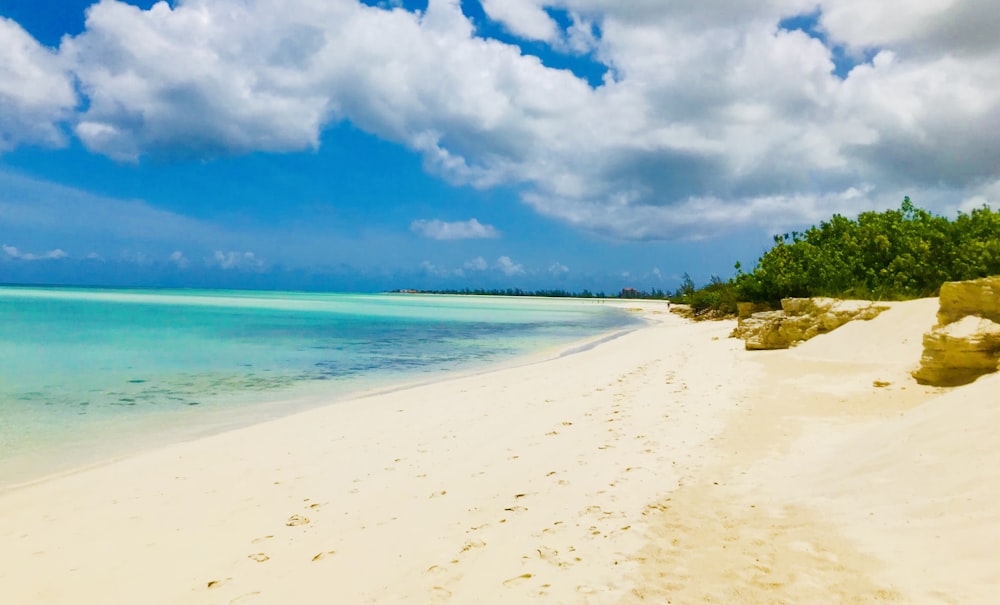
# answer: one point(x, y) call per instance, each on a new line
point(892, 255)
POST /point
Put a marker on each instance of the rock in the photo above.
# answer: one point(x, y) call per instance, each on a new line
point(763, 331)
point(959, 352)
point(966, 342)
point(979, 297)
point(799, 320)
point(746, 309)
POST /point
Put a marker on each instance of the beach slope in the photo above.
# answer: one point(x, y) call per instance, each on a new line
point(665, 465)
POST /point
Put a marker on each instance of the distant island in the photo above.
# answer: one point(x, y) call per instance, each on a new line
point(626, 293)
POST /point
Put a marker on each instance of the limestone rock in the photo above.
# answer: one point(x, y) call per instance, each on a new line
point(746, 309)
point(799, 320)
point(979, 297)
point(959, 352)
point(966, 342)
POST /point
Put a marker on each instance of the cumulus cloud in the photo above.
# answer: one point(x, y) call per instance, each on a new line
point(710, 115)
point(558, 268)
point(36, 93)
point(508, 267)
point(932, 27)
point(523, 18)
point(503, 264)
point(239, 261)
point(177, 258)
point(440, 270)
point(441, 230)
point(13, 253)
point(477, 264)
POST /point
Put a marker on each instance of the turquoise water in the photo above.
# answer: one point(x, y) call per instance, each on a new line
point(86, 374)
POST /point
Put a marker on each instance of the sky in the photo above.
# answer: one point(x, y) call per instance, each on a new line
point(365, 146)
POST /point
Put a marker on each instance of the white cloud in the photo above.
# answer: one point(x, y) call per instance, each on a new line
point(523, 18)
point(177, 258)
point(508, 267)
point(711, 116)
point(929, 26)
point(477, 264)
point(558, 268)
point(440, 271)
point(36, 93)
point(13, 253)
point(240, 261)
point(441, 230)
point(504, 265)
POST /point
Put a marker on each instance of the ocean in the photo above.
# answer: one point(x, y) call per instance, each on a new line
point(87, 375)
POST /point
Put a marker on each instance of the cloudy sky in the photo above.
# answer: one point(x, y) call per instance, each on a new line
point(485, 143)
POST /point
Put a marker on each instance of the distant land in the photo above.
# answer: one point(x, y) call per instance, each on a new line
point(655, 294)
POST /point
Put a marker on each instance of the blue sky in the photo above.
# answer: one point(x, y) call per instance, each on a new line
point(503, 143)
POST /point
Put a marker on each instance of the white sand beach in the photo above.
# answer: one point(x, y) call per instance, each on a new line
point(664, 466)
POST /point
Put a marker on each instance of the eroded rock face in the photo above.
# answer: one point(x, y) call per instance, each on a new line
point(959, 352)
point(746, 309)
point(979, 297)
point(966, 342)
point(801, 319)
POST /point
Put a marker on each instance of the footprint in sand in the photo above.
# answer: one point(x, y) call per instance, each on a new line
point(473, 544)
point(324, 555)
point(517, 579)
point(548, 554)
point(295, 520)
point(258, 557)
point(261, 539)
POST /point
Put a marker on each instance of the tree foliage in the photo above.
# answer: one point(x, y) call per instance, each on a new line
point(891, 255)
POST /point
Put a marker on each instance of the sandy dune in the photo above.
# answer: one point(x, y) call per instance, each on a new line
point(667, 466)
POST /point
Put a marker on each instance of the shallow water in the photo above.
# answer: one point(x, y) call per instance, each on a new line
point(86, 373)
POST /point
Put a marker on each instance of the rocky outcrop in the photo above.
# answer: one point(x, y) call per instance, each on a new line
point(966, 342)
point(746, 309)
point(979, 297)
point(959, 352)
point(799, 320)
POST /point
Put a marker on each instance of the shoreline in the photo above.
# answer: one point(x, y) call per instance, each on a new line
point(664, 464)
point(263, 410)
point(362, 462)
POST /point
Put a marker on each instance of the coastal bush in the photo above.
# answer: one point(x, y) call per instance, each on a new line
point(719, 296)
point(891, 255)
